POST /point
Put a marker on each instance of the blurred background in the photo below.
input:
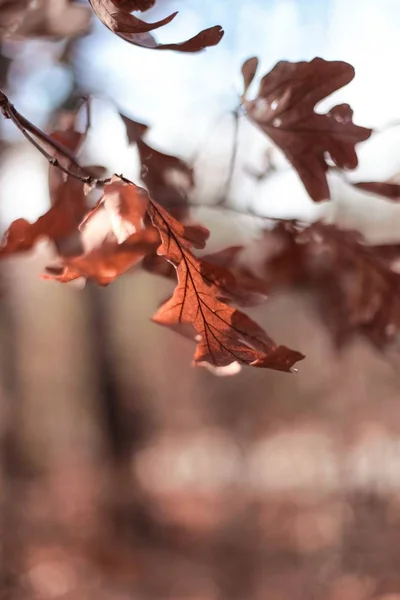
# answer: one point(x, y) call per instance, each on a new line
point(126, 474)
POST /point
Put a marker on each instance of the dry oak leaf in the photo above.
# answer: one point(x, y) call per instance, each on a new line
point(56, 224)
point(235, 282)
point(284, 110)
point(113, 235)
point(169, 179)
point(225, 337)
point(67, 197)
point(116, 16)
point(107, 262)
point(233, 278)
point(249, 70)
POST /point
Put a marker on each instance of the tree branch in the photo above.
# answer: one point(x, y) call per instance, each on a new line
point(30, 131)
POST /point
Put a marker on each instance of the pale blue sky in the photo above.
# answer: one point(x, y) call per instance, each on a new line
point(181, 96)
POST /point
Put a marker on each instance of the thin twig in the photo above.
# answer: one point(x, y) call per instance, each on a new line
point(232, 161)
point(204, 142)
point(88, 106)
point(30, 131)
point(234, 210)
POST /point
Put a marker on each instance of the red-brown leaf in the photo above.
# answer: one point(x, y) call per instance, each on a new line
point(249, 70)
point(357, 290)
point(224, 335)
point(108, 261)
point(56, 224)
point(134, 129)
point(236, 282)
point(168, 179)
point(284, 110)
point(131, 5)
point(113, 234)
point(389, 190)
point(118, 214)
point(116, 16)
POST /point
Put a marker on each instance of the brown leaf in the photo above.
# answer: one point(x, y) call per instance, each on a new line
point(12, 13)
point(249, 70)
point(105, 263)
point(236, 283)
point(131, 5)
point(67, 135)
point(119, 213)
point(239, 284)
point(389, 190)
point(113, 235)
point(224, 335)
point(134, 129)
point(67, 196)
point(116, 16)
point(56, 224)
point(284, 110)
point(388, 252)
point(357, 290)
point(168, 179)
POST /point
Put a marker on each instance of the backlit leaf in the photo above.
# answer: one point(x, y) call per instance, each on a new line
point(284, 110)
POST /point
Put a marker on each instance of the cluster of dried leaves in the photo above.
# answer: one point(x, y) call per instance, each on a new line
point(356, 285)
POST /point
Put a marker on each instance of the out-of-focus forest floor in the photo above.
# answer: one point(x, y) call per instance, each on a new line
point(126, 474)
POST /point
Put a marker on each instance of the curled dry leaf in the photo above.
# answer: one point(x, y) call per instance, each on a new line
point(223, 334)
point(284, 110)
point(114, 236)
point(131, 5)
point(108, 261)
point(116, 16)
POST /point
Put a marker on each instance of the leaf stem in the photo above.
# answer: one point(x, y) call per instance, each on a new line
point(233, 156)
